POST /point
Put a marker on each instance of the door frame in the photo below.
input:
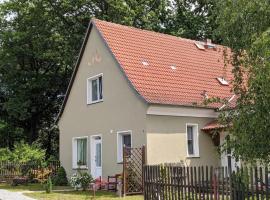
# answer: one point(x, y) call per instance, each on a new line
point(92, 161)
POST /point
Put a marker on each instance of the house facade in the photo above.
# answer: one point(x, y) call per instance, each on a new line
point(134, 87)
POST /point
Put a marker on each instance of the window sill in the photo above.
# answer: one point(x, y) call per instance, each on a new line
point(192, 156)
point(120, 163)
point(82, 167)
point(94, 102)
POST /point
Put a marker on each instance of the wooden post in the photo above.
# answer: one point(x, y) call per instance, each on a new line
point(124, 171)
point(215, 185)
point(143, 164)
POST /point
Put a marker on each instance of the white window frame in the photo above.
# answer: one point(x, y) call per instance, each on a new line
point(89, 89)
point(120, 144)
point(196, 141)
point(74, 153)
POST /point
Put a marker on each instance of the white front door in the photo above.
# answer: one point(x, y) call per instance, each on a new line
point(96, 157)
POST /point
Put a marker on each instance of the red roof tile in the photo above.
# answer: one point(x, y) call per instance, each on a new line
point(196, 70)
point(213, 125)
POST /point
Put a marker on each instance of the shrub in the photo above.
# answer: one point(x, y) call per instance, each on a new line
point(5, 154)
point(23, 152)
point(60, 178)
point(85, 180)
point(48, 186)
point(75, 181)
point(81, 180)
point(27, 153)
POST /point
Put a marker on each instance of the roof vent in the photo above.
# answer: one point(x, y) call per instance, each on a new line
point(145, 63)
point(222, 81)
point(173, 67)
point(200, 45)
point(209, 44)
point(205, 45)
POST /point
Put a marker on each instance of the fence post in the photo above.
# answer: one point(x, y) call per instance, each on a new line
point(215, 184)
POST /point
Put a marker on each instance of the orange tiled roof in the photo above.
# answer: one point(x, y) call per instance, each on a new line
point(193, 71)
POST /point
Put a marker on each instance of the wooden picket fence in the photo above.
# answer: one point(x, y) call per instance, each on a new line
point(33, 170)
point(173, 182)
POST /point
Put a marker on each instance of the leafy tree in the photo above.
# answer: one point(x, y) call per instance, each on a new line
point(39, 44)
point(194, 19)
point(244, 26)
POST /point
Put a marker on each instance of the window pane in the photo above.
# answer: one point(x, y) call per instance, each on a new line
point(100, 87)
point(81, 151)
point(127, 140)
point(98, 155)
point(190, 136)
point(190, 132)
point(94, 90)
point(190, 147)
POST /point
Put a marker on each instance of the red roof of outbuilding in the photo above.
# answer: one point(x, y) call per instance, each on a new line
point(194, 71)
point(213, 125)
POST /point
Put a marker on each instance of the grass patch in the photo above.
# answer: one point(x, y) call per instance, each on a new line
point(79, 195)
point(30, 187)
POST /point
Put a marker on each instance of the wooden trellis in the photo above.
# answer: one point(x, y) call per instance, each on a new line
point(133, 163)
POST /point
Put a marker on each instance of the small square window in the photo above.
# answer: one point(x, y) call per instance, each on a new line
point(94, 89)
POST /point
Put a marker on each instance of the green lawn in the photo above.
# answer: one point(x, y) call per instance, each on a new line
point(34, 191)
point(29, 187)
point(79, 195)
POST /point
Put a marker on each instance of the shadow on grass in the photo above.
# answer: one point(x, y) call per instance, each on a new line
point(88, 193)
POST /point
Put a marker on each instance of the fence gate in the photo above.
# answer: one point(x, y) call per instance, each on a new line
point(133, 162)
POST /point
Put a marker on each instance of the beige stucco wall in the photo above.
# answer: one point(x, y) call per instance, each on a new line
point(122, 109)
point(166, 141)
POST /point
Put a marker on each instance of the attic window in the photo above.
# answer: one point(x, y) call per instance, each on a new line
point(200, 46)
point(145, 63)
point(222, 81)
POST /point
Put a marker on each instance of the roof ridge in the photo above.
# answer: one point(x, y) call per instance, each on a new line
point(150, 31)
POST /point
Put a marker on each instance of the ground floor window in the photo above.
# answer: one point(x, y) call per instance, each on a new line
point(192, 140)
point(80, 152)
point(123, 139)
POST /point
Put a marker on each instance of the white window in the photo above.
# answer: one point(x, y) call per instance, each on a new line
point(94, 89)
point(192, 140)
point(123, 139)
point(79, 152)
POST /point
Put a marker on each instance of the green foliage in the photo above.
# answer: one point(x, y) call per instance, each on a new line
point(81, 179)
point(23, 152)
point(5, 154)
point(244, 26)
point(48, 186)
point(85, 180)
point(193, 19)
point(39, 44)
point(60, 179)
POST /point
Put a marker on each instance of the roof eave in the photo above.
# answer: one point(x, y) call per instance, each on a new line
point(74, 71)
point(91, 24)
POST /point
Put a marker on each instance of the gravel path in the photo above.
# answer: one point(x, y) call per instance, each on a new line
point(7, 195)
